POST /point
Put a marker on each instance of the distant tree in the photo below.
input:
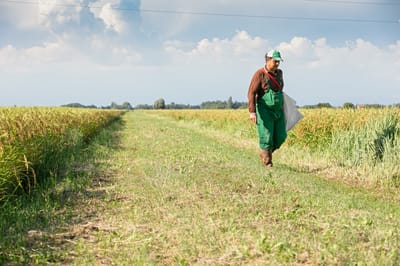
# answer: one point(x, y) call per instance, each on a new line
point(324, 105)
point(74, 105)
point(172, 105)
point(229, 103)
point(239, 105)
point(213, 105)
point(126, 106)
point(144, 106)
point(78, 105)
point(348, 105)
point(319, 105)
point(159, 104)
point(114, 105)
point(180, 106)
point(374, 106)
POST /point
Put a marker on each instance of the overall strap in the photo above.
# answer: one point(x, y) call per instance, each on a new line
point(273, 79)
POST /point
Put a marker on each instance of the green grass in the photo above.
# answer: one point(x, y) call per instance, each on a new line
point(187, 196)
point(373, 149)
point(184, 195)
point(35, 141)
point(35, 228)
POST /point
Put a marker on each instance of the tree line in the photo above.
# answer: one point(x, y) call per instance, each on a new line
point(228, 104)
point(113, 105)
point(161, 104)
point(218, 104)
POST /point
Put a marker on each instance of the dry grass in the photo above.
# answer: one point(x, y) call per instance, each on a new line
point(173, 194)
point(187, 196)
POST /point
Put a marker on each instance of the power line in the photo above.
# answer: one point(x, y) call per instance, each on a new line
point(201, 13)
point(268, 16)
point(356, 2)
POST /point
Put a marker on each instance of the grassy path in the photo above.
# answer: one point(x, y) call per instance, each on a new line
point(183, 196)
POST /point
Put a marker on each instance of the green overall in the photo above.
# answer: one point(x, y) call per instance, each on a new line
point(271, 123)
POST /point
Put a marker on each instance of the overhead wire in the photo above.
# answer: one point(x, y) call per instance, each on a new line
point(356, 2)
point(202, 13)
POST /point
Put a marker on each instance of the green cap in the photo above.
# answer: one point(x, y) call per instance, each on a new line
point(275, 54)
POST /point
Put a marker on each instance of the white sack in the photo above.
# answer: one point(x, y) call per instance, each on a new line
point(292, 115)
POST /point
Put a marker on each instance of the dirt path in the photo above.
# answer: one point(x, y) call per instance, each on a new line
point(180, 196)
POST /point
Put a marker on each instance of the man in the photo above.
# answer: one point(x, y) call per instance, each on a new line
point(265, 99)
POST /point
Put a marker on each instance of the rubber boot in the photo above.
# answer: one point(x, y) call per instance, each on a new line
point(266, 158)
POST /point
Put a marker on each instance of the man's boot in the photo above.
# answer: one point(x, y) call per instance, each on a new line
point(266, 157)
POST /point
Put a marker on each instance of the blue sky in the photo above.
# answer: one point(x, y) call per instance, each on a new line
point(54, 52)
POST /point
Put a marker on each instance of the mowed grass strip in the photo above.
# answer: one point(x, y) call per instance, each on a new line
point(181, 196)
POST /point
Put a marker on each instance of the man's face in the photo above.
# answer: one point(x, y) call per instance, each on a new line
point(272, 64)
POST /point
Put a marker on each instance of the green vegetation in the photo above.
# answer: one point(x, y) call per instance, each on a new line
point(38, 228)
point(159, 104)
point(178, 189)
point(355, 145)
point(113, 105)
point(35, 142)
point(374, 147)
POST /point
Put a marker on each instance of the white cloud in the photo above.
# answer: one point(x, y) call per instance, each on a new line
point(20, 15)
point(395, 50)
point(58, 16)
point(53, 52)
point(116, 55)
point(70, 49)
point(298, 53)
point(53, 13)
point(110, 16)
point(299, 47)
point(358, 54)
point(240, 47)
point(315, 70)
point(244, 44)
point(357, 71)
point(82, 36)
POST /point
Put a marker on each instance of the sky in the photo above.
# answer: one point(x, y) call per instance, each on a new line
point(55, 52)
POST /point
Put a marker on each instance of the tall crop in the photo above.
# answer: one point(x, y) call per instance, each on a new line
point(235, 122)
point(33, 141)
point(316, 129)
point(364, 141)
point(375, 147)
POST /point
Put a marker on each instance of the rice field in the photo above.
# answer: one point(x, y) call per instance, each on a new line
point(35, 141)
point(152, 189)
point(358, 145)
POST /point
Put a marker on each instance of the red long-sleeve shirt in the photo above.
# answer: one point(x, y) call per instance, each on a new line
point(260, 83)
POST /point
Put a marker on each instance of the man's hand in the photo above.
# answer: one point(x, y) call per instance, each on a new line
point(253, 118)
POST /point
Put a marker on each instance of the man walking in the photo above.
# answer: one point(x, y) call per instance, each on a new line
point(265, 100)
